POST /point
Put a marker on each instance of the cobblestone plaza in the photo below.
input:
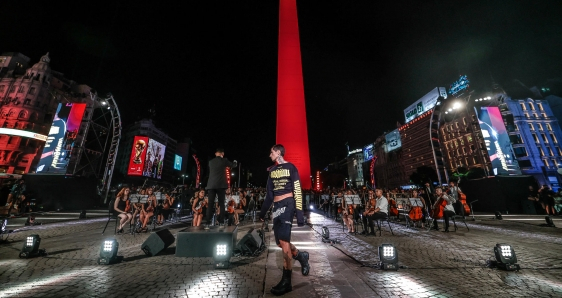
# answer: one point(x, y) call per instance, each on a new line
point(434, 264)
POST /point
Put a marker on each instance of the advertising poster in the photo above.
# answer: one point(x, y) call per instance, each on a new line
point(393, 141)
point(424, 104)
point(368, 152)
point(138, 156)
point(59, 144)
point(497, 141)
point(177, 162)
point(154, 163)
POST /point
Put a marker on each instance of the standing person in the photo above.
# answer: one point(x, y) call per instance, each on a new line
point(284, 191)
point(378, 210)
point(16, 196)
point(217, 184)
point(448, 212)
point(546, 198)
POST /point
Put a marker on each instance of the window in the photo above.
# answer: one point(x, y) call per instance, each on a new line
point(457, 125)
point(27, 102)
point(539, 126)
point(553, 138)
point(535, 115)
point(524, 163)
point(544, 138)
point(540, 106)
point(461, 141)
point(531, 127)
point(550, 151)
point(546, 163)
point(466, 161)
point(2, 87)
point(464, 121)
point(469, 138)
point(523, 106)
point(20, 90)
point(516, 126)
point(532, 106)
point(464, 151)
point(544, 116)
point(474, 160)
point(12, 88)
point(541, 152)
point(536, 138)
point(548, 126)
point(32, 90)
point(520, 151)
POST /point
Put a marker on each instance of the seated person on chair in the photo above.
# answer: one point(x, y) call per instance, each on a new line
point(199, 207)
point(147, 210)
point(240, 209)
point(347, 214)
point(378, 208)
point(449, 210)
point(120, 208)
point(166, 208)
point(416, 195)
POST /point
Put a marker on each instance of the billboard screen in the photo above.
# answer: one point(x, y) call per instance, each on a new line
point(393, 141)
point(177, 162)
point(154, 159)
point(368, 152)
point(497, 141)
point(138, 156)
point(62, 134)
point(424, 104)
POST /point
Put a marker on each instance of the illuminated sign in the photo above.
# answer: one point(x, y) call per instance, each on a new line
point(497, 141)
point(318, 186)
point(368, 152)
point(62, 134)
point(460, 85)
point(354, 151)
point(177, 162)
point(22, 133)
point(393, 141)
point(424, 104)
point(154, 159)
point(138, 156)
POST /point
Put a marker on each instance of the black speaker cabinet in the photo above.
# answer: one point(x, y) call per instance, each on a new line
point(196, 242)
point(157, 242)
point(250, 243)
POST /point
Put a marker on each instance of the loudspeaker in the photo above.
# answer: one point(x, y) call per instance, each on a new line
point(157, 242)
point(251, 242)
point(82, 214)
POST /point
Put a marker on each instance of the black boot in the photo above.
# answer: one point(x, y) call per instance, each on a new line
point(302, 257)
point(284, 286)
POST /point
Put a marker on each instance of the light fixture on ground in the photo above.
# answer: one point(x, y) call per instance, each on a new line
point(388, 256)
point(221, 255)
point(108, 252)
point(31, 247)
point(325, 233)
point(505, 257)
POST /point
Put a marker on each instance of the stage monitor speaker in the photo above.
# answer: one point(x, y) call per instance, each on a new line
point(250, 243)
point(157, 242)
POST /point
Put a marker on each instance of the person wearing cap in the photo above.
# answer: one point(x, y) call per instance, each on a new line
point(217, 183)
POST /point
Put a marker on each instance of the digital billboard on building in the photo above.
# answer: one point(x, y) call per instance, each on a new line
point(497, 141)
point(424, 104)
point(177, 162)
point(60, 141)
point(154, 163)
point(137, 160)
point(368, 152)
point(393, 141)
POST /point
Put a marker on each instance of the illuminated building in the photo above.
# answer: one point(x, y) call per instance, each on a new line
point(29, 97)
point(389, 168)
point(292, 129)
point(147, 129)
point(354, 168)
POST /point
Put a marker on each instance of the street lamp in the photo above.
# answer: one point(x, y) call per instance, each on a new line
point(183, 176)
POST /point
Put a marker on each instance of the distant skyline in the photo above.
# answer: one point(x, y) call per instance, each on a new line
point(210, 67)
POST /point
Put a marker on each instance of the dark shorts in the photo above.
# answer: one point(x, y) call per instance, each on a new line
point(283, 213)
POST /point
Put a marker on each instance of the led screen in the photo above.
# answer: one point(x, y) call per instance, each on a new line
point(154, 160)
point(497, 141)
point(177, 162)
point(138, 156)
point(367, 152)
point(393, 141)
point(62, 135)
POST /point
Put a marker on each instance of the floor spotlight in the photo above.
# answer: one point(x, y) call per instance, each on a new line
point(221, 255)
point(31, 247)
point(499, 215)
point(108, 252)
point(549, 221)
point(325, 233)
point(505, 257)
point(388, 256)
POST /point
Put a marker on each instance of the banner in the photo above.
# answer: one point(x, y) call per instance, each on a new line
point(393, 141)
point(154, 159)
point(138, 155)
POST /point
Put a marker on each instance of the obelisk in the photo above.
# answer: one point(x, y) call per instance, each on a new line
point(292, 131)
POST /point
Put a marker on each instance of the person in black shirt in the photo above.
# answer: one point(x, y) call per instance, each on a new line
point(284, 191)
point(217, 183)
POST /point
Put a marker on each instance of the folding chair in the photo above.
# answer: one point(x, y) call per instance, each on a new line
point(111, 216)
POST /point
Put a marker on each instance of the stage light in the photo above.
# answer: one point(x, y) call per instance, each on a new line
point(108, 252)
point(388, 256)
point(311, 207)
point(31, 247)
point(505, 257)
point(499, 215)
point(549, 222)
point(221, 255)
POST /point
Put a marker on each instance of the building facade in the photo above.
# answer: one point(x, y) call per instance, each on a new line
point(355, 169)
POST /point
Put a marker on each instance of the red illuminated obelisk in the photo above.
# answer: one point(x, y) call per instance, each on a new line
point(291, 111)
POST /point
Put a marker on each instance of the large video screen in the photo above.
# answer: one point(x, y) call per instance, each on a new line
point(177, 162)
point(154, 159)
point(138, 156)
point(59, 144)
point(393, 141)
point(368, 152)
point(497, 141)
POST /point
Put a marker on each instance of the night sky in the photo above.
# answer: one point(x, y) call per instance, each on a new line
point(210, 67)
